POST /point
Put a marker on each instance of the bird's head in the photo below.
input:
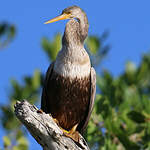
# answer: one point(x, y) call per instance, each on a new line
point(69, 13)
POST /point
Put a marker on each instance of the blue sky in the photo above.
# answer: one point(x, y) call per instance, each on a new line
point(128, 22)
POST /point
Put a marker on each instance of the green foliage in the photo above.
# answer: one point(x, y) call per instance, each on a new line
point(52, 47)
point(7, 141)
point(21, 143)
point(96, 48)
point(29, 90)
point(122, 108)
point(7, 33)
point(93, 44)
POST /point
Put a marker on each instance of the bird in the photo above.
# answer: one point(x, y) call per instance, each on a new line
point(70, 84)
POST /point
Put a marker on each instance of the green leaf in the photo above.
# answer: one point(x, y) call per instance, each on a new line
point(22, 143)
point(137, 117)
point(19, 134)
point(8, 116)
point(12, 31)
point(52, 47)
point(130, 67)
point(7, 33)
point(7, 141)
point(36, 80)
point(93, 44)
point(16, 148)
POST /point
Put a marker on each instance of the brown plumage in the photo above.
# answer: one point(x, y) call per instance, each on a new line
point(70, 83)
point(65, 95)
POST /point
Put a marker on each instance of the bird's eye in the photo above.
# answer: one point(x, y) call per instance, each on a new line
point(68, 12)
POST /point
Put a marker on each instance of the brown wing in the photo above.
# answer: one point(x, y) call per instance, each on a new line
point(84, 123)
point(44, 92)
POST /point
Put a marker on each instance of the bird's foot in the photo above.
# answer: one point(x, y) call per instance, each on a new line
point(73, 134)
point(55, 120)
point(40, 111)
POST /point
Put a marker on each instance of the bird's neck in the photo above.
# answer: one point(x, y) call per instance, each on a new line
point(73, 42)
point(75, 33)
point(73, 60)
point(73, 39)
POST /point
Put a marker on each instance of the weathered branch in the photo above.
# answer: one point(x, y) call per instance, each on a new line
point(45, 130)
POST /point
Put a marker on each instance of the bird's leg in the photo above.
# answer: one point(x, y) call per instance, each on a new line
point(73, 134)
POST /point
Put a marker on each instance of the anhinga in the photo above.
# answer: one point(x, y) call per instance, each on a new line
point(70, 83)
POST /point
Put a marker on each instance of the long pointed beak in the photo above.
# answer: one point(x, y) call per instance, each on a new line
point(61, 17)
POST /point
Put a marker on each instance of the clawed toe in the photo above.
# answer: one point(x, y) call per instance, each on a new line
point(73, 134)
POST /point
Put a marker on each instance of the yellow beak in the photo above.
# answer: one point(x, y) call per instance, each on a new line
point(61, 17)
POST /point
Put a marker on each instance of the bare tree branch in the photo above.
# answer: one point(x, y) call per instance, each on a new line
point(45, 130)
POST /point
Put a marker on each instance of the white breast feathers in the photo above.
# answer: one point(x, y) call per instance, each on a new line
point(73, 65)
